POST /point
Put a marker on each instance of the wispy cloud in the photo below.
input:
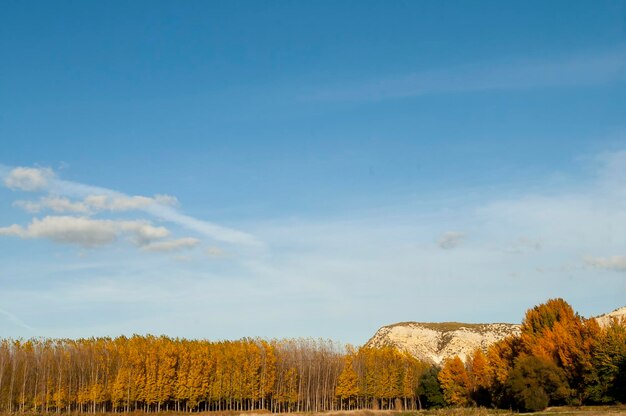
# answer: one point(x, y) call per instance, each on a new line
point(215, 252)
point(450, 239)
point(54, 203)
point(95, 203)
point(97, 199)
point(617, 263)
point(525, 247)
point(576, 70)
point(127, 203)
point(172, 245)
point(28, 179)
point(16, 320)
point(160, 210)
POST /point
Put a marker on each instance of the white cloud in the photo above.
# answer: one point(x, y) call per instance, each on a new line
point(524, 245)
point(314, 263)
point(86, 232)
point(142, 232)
point(98, 199)
point(617, 263)
point(215, 252)
point(69, 230)
point(12, 230)
point(169, 200)
point(450, 239)
point(28, 179)
point(54, 203)
point(172, 245)
point(96, 203)
point(127, 203)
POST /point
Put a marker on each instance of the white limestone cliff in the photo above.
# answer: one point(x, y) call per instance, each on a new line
point(435, 342)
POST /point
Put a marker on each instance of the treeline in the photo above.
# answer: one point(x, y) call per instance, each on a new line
point(559, 358)
point(150, 373)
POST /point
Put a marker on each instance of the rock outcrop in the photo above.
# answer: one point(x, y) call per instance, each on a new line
point(434, 342)
point(607, 318)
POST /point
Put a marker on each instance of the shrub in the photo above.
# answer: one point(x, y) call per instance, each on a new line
point(534, 384)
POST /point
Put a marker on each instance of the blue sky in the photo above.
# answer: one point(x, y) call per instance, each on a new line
point(228, 169)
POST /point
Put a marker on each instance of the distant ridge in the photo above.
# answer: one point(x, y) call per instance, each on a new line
point(607, 318)
point(434, 342)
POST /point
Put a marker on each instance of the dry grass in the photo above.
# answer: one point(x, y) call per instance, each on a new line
point(584, 410)
point(481, 411)
point(553, 411)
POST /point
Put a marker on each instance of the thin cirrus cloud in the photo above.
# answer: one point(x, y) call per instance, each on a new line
point(617, 263)
point(583, 69)
point(215, 252)
point(54, 203)
point(92, 199)
point(161, 211)
point(95, 203)
point(15, 320)
point(172, 245)
point(314, 262)
point(127, 203)
point(37, 179)
point(450, 240)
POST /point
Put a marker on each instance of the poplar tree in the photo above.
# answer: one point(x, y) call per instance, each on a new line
point(347, 383)
point(455, 382)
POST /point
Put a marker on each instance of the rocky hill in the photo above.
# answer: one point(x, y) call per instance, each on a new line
point(619, 313)
point(434, 342)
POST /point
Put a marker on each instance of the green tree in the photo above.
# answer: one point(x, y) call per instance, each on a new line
point(535, 383)
point(429, 390)
point(607, 381)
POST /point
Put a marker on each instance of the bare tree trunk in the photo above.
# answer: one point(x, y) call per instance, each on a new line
point(24, 385)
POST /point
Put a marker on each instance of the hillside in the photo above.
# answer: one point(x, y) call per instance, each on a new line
point(619, 313)
point(436, 341)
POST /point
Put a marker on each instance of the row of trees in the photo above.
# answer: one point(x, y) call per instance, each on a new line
point(379, 378)
point(559, 358)
point(160, 373)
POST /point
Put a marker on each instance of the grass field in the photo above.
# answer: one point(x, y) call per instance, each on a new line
point(554, 411)
point(551, 411)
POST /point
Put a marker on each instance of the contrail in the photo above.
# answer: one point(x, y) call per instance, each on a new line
point(583, 69)
point(16, 320)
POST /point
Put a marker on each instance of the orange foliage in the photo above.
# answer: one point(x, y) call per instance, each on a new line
point(455, 382)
